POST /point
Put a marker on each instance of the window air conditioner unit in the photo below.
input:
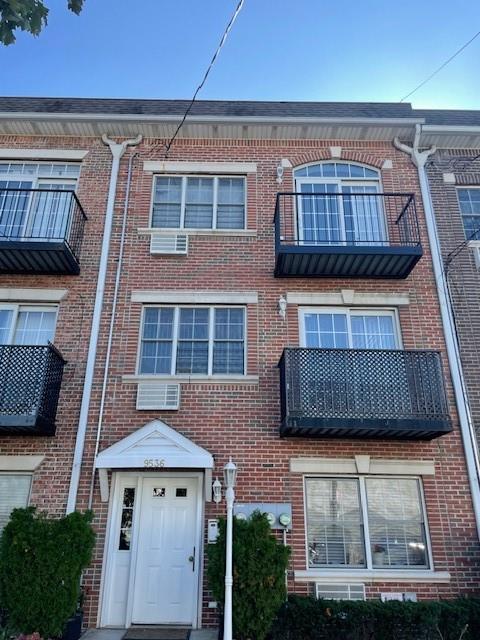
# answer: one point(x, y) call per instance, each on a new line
point(169, 244)
point(158, 395)
point(340, 591)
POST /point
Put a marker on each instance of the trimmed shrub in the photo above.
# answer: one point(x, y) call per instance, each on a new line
point(41, 561)
point(304, 618)
point(259, 565)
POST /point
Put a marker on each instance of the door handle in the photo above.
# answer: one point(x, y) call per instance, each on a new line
point(192, 559)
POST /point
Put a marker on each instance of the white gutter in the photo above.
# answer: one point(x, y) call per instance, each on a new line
point(117, 152)
point(419, 159)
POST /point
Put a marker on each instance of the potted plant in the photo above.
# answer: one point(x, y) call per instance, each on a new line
point(73, 628)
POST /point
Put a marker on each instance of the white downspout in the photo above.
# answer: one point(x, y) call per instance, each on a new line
point(117, 149)
point(419, 159)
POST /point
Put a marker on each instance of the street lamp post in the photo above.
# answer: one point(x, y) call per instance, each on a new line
point(230, 476)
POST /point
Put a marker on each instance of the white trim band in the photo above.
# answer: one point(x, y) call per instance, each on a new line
point(193, 379)
point(199, 167)
point(195, 297)
point(363, 464)
point(32, 295)
point(370, 575)
point(198, 232)
point(20, 463)
point(42, 154)
point(348, 296)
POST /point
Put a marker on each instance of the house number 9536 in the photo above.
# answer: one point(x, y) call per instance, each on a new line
point(154, 462)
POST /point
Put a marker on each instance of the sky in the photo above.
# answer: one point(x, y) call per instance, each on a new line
point(325, 50)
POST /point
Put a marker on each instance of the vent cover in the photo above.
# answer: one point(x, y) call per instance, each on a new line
point(158, 395)
point(340, 591)
point(169, 244)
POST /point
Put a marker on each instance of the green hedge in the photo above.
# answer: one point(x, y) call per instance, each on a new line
point(259, 564)
point(304, 618)
point(41, 561)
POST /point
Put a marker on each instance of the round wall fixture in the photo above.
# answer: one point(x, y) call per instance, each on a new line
point(240, 516)
point(271, 518)
point(284, 519)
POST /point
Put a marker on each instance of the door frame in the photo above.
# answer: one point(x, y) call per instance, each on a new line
point(111, 539)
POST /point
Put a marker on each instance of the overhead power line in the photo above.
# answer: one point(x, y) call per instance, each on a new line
point(209, 68)
point(442, 66)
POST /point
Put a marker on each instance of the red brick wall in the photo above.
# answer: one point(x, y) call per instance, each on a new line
point(243, 420)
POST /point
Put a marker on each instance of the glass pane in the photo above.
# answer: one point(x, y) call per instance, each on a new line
point(6, 316)
point(228, 357)
point(14, 493)
point(229, 324)
point(126, 520)
point(199, 203)
point(157, 341)
point(193, 324)
point(167, 202)
point(373, 332)
point(396, 522)
point(192, 357)
point(334, 523)
point(35, 327)
point(326, 330)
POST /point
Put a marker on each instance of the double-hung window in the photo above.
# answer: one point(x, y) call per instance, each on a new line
point(193, 340)
point(14, 494)
point(349, 329)
point(198, 202)
point(27, 325)
point(469, 200)
point(35, 201)
point(366, 522)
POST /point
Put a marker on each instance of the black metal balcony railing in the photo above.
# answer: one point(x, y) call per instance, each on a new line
point(374, 235)
point(363, 393)
point(41, 231)
point(30, 381)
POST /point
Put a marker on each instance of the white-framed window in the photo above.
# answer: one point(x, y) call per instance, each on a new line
point(198, 202)
point(36, 214)
point(349, 328)
point(339, 204)
point(366, 522)
point(27, 324)
point(469, 202)
point(14, 494)
point(193, 340)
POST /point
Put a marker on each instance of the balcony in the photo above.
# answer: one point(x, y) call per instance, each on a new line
point(346, 235)
point(30, 380)
point(363, 393)
point(41, 231)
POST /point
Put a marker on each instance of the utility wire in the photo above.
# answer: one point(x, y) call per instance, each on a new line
point(209, 68)
point(442, 66)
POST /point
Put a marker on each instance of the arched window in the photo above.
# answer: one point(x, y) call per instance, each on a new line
point(339, 203)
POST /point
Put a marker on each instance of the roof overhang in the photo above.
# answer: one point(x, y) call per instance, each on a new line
point(221, 127)
point(451, 136)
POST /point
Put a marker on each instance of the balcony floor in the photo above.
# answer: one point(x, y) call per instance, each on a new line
point(32, 256)
point(334, 261)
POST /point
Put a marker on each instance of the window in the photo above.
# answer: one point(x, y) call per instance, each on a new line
point(366, 522)
point(31, 200)
point(14, 494)
point(126, 521)
point(29, 325)
point(349, 329)
point(339, 204)
point(193, 340)
point(198, 202)
point(469, 200)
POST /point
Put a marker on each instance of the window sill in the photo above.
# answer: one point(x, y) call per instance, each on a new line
point(371, 575)
point(240, 233)
point(193, 379)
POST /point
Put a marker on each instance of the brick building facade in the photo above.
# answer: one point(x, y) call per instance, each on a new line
point(356, 435)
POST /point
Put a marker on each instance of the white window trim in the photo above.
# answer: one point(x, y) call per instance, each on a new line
point(369, 571)
point(184, 177)
point(36, 179)
point(192, 377)
point(166, 166)
point(17, 308)
point(362, 464)
point(32, 295)
point(341, 576)
point(347, 297)
point(247, 233)
point(42, 154)
point(392, 312)
point(174, 296)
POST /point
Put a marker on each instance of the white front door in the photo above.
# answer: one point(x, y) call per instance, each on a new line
point(166, 570)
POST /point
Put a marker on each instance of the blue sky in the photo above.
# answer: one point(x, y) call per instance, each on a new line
point(374, 50)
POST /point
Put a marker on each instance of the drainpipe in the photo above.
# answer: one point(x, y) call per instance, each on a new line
point(112, 325)
point(117, 149)
point(419, 159)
